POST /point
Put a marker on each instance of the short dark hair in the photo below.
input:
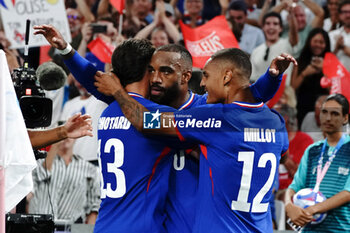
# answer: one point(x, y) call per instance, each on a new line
point(236, 56)
point(343, 3)
point(238, 6)
point(131, 59)
point(272, 14)
point(185, 54)
point(340, 99)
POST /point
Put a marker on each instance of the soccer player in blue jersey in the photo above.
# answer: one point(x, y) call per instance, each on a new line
point(133, 188)
point(171, 69)
point(240, 153)
point(189, 100)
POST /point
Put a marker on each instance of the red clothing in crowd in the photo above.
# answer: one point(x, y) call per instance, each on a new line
point(296, 150)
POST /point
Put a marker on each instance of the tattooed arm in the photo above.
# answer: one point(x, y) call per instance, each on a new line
point(109, 84)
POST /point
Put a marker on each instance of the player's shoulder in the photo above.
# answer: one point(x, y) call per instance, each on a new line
point(277, 115)
point(199, 99)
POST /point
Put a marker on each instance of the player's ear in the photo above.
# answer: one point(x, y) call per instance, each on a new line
point(186, 76)
point(228, 76)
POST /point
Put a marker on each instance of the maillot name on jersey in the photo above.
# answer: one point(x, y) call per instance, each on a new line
point(259, 135)
point(106, 123)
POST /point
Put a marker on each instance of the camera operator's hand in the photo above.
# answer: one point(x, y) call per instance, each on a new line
point(52, 35)
point(78, 126)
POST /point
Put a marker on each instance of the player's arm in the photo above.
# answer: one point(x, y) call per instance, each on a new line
point(82, 70)
point(267, 85)
point(77, 126)
point(109, 84)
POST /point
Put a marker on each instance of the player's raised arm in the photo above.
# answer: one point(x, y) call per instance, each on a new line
point(110, 85)
point(280, 63)
point(267, 85)
point(82, 70)
point(52, 35)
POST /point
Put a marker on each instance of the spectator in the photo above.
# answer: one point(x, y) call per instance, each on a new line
point(251, 37)
point(110, 36)
point(86, 104)
point(332, 22)
point(311, 123)
point(335, 185)
point(76, 21)
point(193, 13)
point(253, 12)
point(303, 27)
point(298, 142)
point(340, 38)
point(72, 185)
point(262, 55)
point(162, 30)
point(306, 77)
point(85, 7)
point(288, 97)
point(141, 11)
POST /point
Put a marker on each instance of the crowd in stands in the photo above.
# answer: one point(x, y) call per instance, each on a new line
point(306, 29)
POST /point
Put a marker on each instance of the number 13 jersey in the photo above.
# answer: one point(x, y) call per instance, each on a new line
point(134, 172)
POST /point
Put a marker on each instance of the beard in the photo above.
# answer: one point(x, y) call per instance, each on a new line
point(167, 96)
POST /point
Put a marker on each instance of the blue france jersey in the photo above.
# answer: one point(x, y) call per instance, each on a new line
point(184, 173)
point(183, 183)
point(241, 146)
point(135, 172)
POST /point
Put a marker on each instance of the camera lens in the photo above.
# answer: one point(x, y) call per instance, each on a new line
point(37, 111)
point(33, 111)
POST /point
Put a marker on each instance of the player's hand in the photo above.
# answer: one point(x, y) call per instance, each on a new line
point(298, 215)
point(78, 126)
point(107, 84)
point(280, 63)
point(52, 35)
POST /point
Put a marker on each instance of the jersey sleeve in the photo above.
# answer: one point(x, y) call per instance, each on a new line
point(299, 179)
point(84, 72)
point(266, 87)
point(285, 142)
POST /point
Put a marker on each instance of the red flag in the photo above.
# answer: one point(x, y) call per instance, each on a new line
point(118, 4)
point(44, 54)
point(205, 40)
point(337, 74)
point(278, 94)
point(102, 50)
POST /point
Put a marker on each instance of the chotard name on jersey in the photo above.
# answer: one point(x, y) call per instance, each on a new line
point(105, 123)
point(259, 135)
